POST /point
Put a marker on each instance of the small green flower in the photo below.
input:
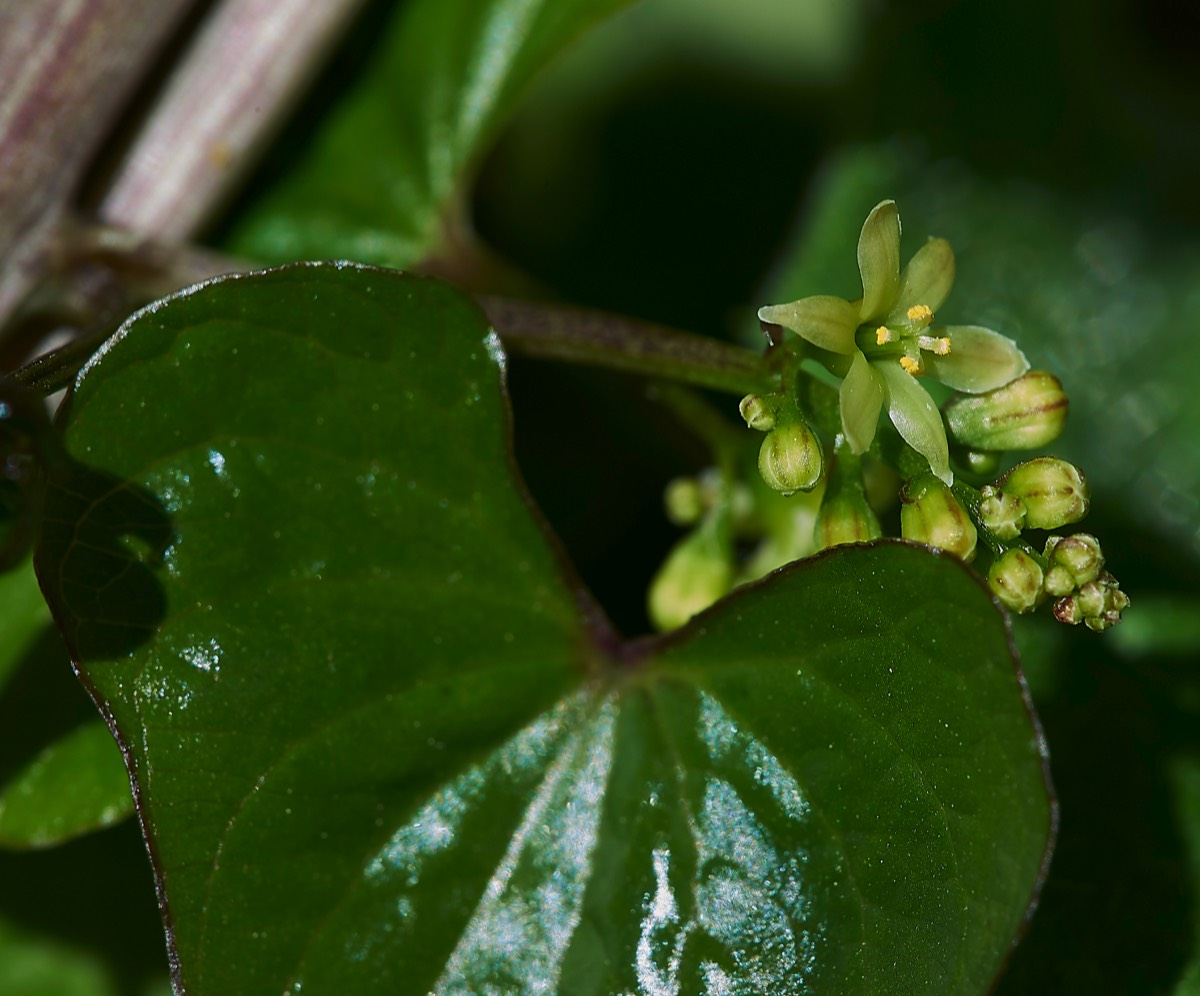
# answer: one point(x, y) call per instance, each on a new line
point(880, 343)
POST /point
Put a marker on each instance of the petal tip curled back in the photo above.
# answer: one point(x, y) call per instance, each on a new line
point(827, 322)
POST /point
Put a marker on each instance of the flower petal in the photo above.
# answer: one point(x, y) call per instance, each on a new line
point(916, 417)
point(861, 399)
point(926, 280)
point(828, 322)
point(979, 359)
point(879, 260)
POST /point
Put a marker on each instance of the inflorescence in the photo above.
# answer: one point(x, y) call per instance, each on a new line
point(826, 474)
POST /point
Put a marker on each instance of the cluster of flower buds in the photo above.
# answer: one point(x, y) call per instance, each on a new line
point(791, 458)
point(848, 368)
point(1046, 493)
point(1086, 593)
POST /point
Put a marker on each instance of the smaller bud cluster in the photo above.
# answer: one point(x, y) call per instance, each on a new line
point(1086, 592)
point(791, 458)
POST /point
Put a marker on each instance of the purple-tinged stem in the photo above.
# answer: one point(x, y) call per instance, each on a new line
point(67, 71)
point(243, 72)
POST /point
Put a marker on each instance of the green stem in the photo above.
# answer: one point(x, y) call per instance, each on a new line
point(576, 335)
point(970, 498)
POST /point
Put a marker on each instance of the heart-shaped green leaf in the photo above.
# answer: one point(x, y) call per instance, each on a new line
point(379, 181)
point(384, 743)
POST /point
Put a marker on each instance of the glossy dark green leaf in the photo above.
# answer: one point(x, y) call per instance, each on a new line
point(380, 180)
point(383, 745)
point(76, 785)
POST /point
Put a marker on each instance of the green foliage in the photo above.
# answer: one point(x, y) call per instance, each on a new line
point(77, 783)
point(384, 180)
point(371, 713)
point(36, 966)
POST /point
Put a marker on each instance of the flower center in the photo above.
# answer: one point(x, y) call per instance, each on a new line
point(903, 341)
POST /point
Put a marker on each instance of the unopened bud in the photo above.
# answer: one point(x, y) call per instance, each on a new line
point(845, 518)
point(758, 412)
point(1059, 581)
point(1091, 599)
point(790, 459)
point(684, 501)
point(931, 515)
point(1118, 601)
point(1079, 554)
point(1053, 491)
point(982, 463)
point(1106, 620)
point(1025, 414)
point(1016, 580)
point(1002, 514)
point(697, 571)
point(1066, 610)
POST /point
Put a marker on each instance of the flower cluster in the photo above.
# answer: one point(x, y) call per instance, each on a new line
point(883, 342)
point(826, 474)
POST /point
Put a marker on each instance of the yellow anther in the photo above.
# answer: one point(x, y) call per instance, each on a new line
point(883, 335)
point(910, 365)
point(939, 346)
point(920, 313)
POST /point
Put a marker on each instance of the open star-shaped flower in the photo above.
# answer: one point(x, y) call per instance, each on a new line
point(882, 342)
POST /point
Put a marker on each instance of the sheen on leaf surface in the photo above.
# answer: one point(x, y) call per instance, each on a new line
point(384, 742)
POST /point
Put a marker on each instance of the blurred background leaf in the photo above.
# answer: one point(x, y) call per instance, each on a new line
point(420, 90)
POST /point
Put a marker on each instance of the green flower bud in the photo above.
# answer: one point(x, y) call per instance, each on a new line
point(1098, 624)
point(1118, 601)
point(931, 515)
point(1025, 414)
point(1016, 580)
point(1002, 514)
point(982, 463)
point(1091, 599)
point(1066, 610)
point(845, 518)
point(790, 459)
point(758, 412)
point(1079, 554)
point(697, 571)
point(684, 501)
point(1059, 581)
point(1053, 491)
